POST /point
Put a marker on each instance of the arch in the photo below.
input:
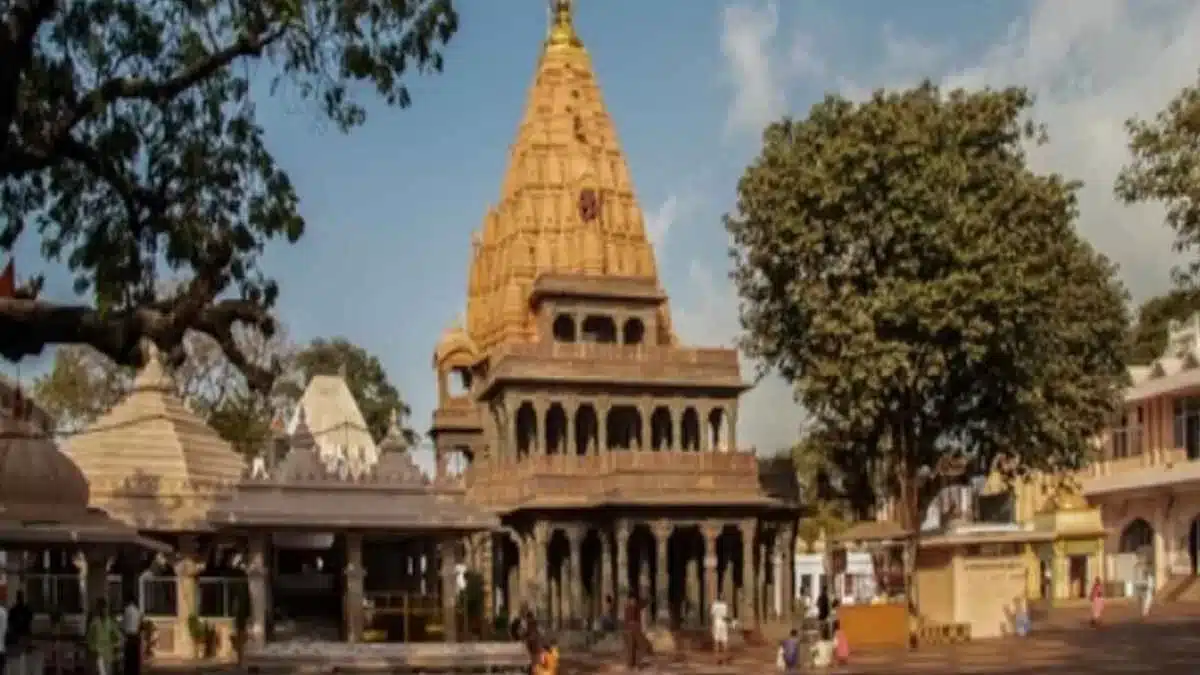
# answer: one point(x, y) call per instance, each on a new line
point(623, 428)
point(527, 423)
point(717, 428)
point(662, 432)
point(689, 432)
point(459, 382)
point(564, 328)
point(587, 430)
point(599, 328)
point(556, 430)
point(633, 332)
point(1136, 537)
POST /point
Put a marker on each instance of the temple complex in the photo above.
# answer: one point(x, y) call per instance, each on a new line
point(607, 448)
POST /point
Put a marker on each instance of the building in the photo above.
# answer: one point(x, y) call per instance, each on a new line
point(288, 565)
point(608, 449)
point(1147, 480)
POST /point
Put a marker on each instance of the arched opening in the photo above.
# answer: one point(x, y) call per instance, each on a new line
point(1137, 536)
point(459, 459)
point(587, 430)
point(690, 431)
point(661, 432)
point(556, 430)
point(624, 428)
point(459, 382)
point(634, 332)
point(564, 328)
point(1135, 551)
point(526, 430)
point(599, 328)
point(718, 435)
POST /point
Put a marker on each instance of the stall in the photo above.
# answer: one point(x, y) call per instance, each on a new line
point(869, 557)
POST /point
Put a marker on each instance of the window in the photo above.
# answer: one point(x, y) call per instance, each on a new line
point(50, 593)
point(1125, 439)
point(159, 597)
point(222, 597)
point(1187, 426)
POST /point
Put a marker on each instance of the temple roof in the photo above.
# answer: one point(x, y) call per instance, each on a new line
point(150, 454)
point(567, 204)
point(329, 414)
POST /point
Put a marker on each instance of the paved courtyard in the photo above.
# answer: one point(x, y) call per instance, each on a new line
point(1168, 643)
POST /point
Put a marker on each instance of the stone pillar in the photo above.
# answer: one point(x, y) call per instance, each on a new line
point(646, 432)
point(787, 582)
point(777, 576)
point(487, 572)
point(731, 424)
point(353, 597)
point(256, 582)
point(446, 559)
point(602, 408)
point(430, 572)
point(569, 428)
point(540, 588)
point(540, 408)
point(710, 532)
point(95, 577)
point(187, 568)
point(606, 574)
point(574, 573)
point(745, 608)
point(621, 581)
point(662, 574)
point(706, 444)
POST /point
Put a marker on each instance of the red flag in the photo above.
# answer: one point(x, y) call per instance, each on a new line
point(8, 281)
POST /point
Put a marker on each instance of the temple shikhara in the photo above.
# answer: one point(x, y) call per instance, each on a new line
point(607, 449)
point(597, 459)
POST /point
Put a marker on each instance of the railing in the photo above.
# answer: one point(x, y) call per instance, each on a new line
point(715, 357)
point(572, 477)
point(1150, 458)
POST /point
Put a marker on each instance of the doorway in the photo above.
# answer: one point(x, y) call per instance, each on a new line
point(1078, 573)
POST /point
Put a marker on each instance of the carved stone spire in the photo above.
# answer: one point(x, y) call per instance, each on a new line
point(567, 204)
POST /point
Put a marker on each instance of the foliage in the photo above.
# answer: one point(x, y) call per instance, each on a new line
point(925, 292)
point(1148, 336)
point(1165, 168)
point(131, 146)
point(377, 398)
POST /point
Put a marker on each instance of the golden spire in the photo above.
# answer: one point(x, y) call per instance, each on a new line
point(562, 29)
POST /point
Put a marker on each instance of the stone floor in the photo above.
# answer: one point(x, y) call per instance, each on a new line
point(1167, 643)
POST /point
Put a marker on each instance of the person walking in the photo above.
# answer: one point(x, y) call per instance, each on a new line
point(131, 627)
point(1097, 599)
point(1148, 595)
point(633, 631)
point(103, 637)
point(719, 614)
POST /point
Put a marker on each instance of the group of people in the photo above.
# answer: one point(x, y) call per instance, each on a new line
point(104, 637)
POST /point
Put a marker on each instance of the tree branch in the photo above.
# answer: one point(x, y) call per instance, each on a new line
point(27, 326)
point(21, 25)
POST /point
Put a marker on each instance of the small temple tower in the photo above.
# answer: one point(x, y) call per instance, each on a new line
point(607, 447)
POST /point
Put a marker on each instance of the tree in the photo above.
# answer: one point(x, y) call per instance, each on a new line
point(1165, 168)
point(925, 292)
point(1148, 335)
point(83, 384)
point(131, 145)
point(377, 398)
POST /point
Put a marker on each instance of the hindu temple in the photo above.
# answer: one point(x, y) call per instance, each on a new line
point(606, 447)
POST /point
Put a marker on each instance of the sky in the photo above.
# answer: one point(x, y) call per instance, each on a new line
point(690, 84)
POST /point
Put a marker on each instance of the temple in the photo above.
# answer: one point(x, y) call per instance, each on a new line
point(326, 542)
point(606, 448)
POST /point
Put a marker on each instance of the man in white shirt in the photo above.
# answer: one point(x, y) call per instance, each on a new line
point(720, 627)
point(131, 628)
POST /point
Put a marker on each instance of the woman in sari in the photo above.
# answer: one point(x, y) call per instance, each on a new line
point(1097, 600)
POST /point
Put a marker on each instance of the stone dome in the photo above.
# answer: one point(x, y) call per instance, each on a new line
point(37, 480)
point(453, 341)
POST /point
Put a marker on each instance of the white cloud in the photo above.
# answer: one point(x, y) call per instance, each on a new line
point(1091, 64)
point(659, 222)
point(746, 36)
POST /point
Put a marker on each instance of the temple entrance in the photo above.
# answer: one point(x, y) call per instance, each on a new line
point(306, 588)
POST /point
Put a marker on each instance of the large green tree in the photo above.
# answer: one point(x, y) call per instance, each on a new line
point(376, 396)
point(927, 293)
point(1165, 168)
point(1148, 335)
point(131, 148)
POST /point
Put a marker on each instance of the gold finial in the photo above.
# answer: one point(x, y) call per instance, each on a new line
point(562, 29)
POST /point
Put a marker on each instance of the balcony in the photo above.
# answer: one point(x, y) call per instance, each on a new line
point(622, 477)
point(1154, 468)
point(457, 415)
point(599, 362)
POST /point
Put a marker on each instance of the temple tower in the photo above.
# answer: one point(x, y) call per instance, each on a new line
point(608, 448)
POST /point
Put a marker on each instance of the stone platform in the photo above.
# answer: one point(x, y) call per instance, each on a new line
point(325, 658)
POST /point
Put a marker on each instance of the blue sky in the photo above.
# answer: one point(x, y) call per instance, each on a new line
point(689, 84)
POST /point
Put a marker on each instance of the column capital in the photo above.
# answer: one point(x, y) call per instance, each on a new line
point(711, 531)
point(622, 528)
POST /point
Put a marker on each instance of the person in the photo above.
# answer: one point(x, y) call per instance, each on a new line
point(1021, 622)
point(103, 637)
point(633, 631)
point(1097, 598)
point(720, 627)
point(20, 631)
point(131, 627)
point(841, 646)
point(789, 653)
point(547, 661)
point(1148, 595)
point(3, 630)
